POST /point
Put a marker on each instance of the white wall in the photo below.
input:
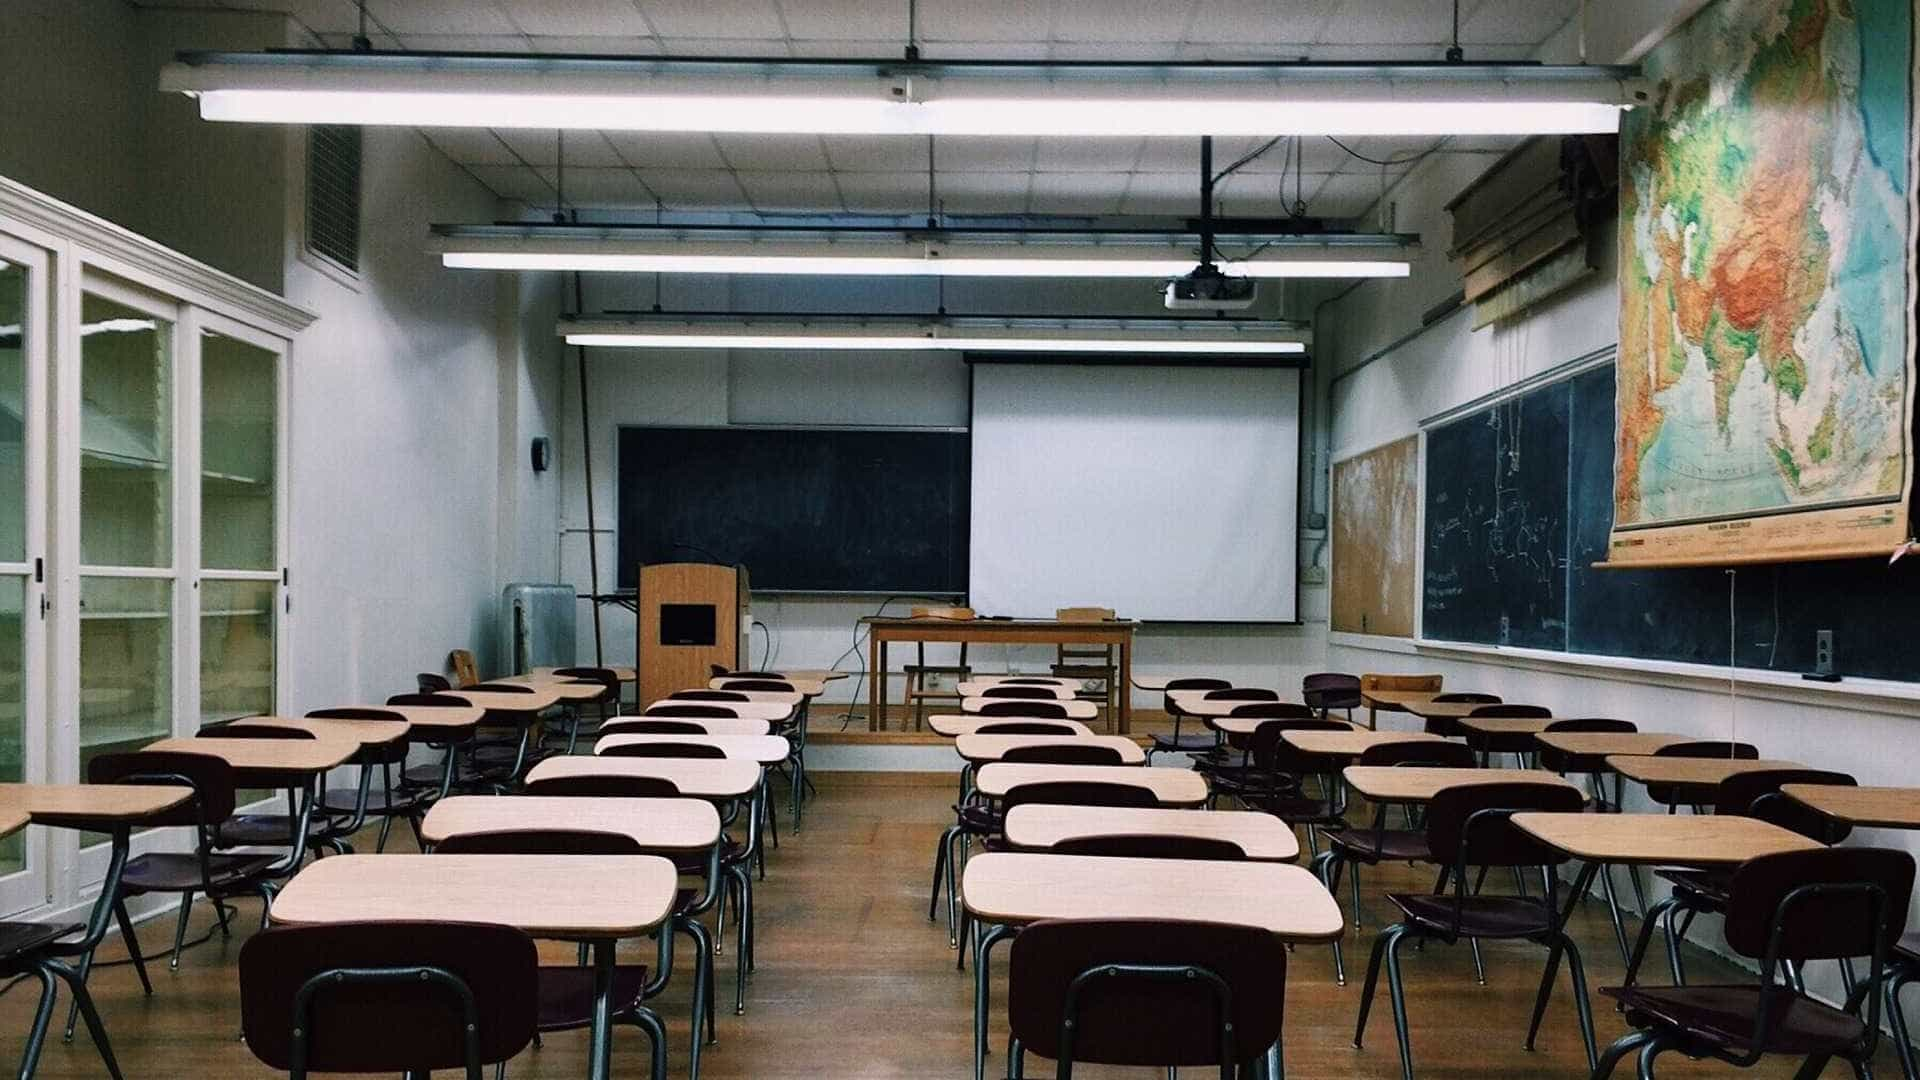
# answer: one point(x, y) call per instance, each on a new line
point(711, 387)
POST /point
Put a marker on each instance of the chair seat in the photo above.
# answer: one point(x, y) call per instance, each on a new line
point(566, 994)
point(343, 800)
point(1504, 742)
point(174, 871)
point(1720, 1017)
point(1706, 888)
point(265, 830)
point(1182, 743)
point(1294, 808)
point(1480, 916)
point(695, 862)
point(1387, 845)
point(980, 820)
point(19, 938)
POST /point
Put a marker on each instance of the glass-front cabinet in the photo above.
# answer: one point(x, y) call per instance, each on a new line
point(143, 483)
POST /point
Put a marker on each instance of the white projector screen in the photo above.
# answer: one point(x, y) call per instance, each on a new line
point(1163, 492)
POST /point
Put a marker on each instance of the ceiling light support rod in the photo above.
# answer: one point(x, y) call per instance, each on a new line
point(913, 30)
point(560, 177)
point(1206, 202)
point(1455, 54)
point(361, 42)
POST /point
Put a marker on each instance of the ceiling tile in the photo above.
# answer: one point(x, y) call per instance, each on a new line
point(1241, 51)
point(1388, 22)
point(578, 18)
point(1346, 195)
point(1517, 22)
point(667, 149)
point(983, 20)
point(1038, 49)
point(975, 153)
point(483, 43)
point(602, 187)
point(1118, 51)
point(1259, 21)
point(1160, 22)
point(441, 17)
point(714, 18)
point(471, 146)
point(772, 152)
point(514, 182)
point(697, 189)
point(876, 153)
point(789, 189)
point(541, 147)
point(1078, 193)
point(1087, 155)
point(842, 48)
point(724, 46)
point(602, 45)
point(860, 20)
point(885, 192)
point(983, 192)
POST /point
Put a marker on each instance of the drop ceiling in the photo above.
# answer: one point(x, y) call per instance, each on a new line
point(621, 171)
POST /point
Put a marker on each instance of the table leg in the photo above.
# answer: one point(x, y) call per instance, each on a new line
point(1126, 685)
point(600, 1059)
point(874, 682)
point(982, 982)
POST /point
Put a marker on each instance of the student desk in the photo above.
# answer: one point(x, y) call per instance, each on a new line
point(1868, 807)
point(883, 631)
point(1247, 725)
point(564, 687)
point(1694, 778)
point(1197, 703)
point(1500, 725)
point(363, 732)
point(784, 699)
point(624, 674)
point(1011, 889)
point(954, 726)
point(1018, 679)
point(597, 899)
point(1348, 744)
point(425, 718)
point(1416, 784)
point(1075, 710)
point(293, 764)
point(762, 749)
point(684, 824)
point(801, 687)
point(696, 778)
point(1060, 691)
point(1173, 787)
point(982, 749)
point(1603, 744)
point(770, 711)
point(1040, 826)
point(12, 820)
point(711, 725)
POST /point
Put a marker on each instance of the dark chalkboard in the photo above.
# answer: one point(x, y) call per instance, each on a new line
point(803, 509)
point(1490, 485)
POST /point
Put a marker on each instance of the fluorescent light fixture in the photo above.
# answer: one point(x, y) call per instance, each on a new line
point(847, 97)
point(1160, 337)
point(901, 253)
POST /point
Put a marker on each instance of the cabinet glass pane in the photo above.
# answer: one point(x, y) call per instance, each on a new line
point(126, 664)
point(238, 395)
point(126, 436)
point(236, 649)
point(13, 411)
point(13, 692)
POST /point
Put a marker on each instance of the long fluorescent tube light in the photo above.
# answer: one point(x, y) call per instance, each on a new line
point(1193, 337)
point(827, 252)
point(900, 98)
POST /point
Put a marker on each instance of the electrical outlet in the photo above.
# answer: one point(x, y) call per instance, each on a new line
point(1313, 575)
point(1823, 652)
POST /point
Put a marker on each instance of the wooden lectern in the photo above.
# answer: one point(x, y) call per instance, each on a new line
point(691, 616)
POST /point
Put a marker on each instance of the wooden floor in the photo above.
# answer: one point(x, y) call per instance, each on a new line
point(855, 982)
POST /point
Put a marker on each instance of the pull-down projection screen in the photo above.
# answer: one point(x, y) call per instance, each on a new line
point(1165, 492)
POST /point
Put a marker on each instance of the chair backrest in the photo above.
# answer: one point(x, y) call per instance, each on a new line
point(1026, 727)
point(708, 712)
point(500, 688)
point(639, 725)
point(775, 685)
point(1152, 846)
point(1279, 710)
point(1080, 793)
point(609, 680)
point(429, 699)
point(1710, 748)
point(1030, 680)
point(1195, 682)
point(1468, 698)
point(1431, 753)
point(708, 695)
point(1270, 751)
point(431, 683)
point(1331, 690)
point(539, 842)
point(1757, 794)
point(1146, 992)
point(1016, 690)
point(465, 671)
point(1513, 712)
point(1460, 834)
point(1041, 710)
point(606, 786)
point(211, 779)
point(1837, 915)
point(663, 749)
point(1065, 754)
point(240, 729)
point(1242, 693)
point(355, 713)
point(420, 1021)
point(1594, 724)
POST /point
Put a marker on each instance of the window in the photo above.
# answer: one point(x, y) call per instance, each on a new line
point(239, 582)
point(333, 194)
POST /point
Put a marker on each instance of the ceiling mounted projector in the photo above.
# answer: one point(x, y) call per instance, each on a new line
point(1207, 289)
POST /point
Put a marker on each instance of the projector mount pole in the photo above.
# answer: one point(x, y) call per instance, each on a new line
point(1206, 203)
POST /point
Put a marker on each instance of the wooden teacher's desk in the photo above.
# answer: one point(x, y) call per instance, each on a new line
point(882, 632)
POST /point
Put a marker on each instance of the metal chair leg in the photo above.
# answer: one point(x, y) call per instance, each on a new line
point(1582, 1006)
point(1624, 1045)
point(132, 942)
point(1897, 1018)
point(1396, 992)
point(1647, 1053)
point(42, 1017)
point(939, 869)
point(180, 930)
point(649, 1021)
point(1543, 994)
point(1367, 986)
point(77, 983)
point(1613, 911)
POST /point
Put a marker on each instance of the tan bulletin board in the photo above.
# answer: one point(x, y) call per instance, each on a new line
point(1375, 540)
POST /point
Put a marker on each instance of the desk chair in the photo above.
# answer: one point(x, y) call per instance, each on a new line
point(1468, 827)
point(1446, 726)
point(493, 766)
point(1748, 794)
point(664, 749)
point(1152, 846)
point(651, 724)
point(1275, 779)
point(1672, 795)
point(1024, 691)
point(794, 730)
point(1351, 846)
point(1327, 691)
point(1145, 992)
point(1783, 910)
point(34, 948)
point(438, 995)
point(1187, 744)
point(692, 709)
point(444, 777)
point(268, 830)
point(429, 683)
point(1032, 710)
point(1219, 762)
point(1594, 767)
point(564, 993)
point(1026, 727)
point(1517, 744)
point(606, 705)
point(389, 802)
point(466, 673)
